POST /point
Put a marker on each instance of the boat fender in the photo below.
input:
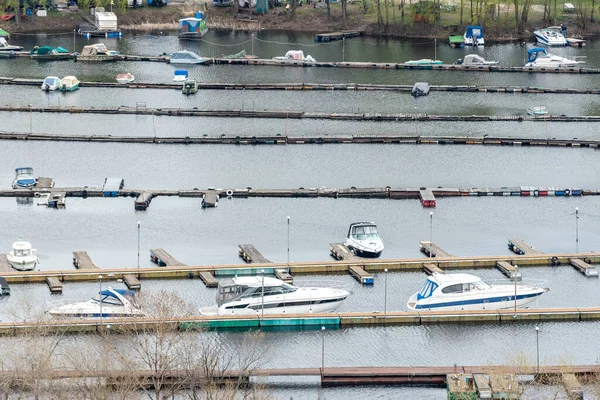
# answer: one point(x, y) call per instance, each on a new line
point(84, 193)
point(36, 194)
point(190, 275)
point(567, 192)
point(536, 193)
point(229, 192)
point(554, 261)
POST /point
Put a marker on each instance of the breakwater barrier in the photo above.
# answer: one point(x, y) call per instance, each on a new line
point(309, 139)
point(339, 320)
point(294, 114)
point(314, 87)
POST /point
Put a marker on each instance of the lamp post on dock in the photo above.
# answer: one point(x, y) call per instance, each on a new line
point(430, 229)
point(537, 345)
point(385, 294)
point(343, 49)
point(100, 279)
point(288, 241)
point(139, 224)
point(576, 229)
point(322, 349)
point(30, 120)
point(262, 295)
point(252, 51)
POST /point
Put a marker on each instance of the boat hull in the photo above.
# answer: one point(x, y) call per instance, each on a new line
point(192, 35)
point(549, 41)
point(488, 303)
point(22, 265)
point(269, 309)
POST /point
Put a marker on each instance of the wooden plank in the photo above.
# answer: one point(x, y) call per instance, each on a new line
point(583, 267)
point(208, 279)
point(283, 275)
point(251, 255)
point(361, 275)
point(143, 200)
point(210, 199)
point(340, 252)
point(54, 284)
point(431, 269)
point(482, 384)
point(4, 265)
point(509, 270)
point(132, 282)
point(82, 260)
point(433, 250)
point(518, 246)
point(44, 183)
point(572, 386)
point(427, 198)
point(162, 258)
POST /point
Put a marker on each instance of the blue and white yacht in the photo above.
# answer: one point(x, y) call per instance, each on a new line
point(457, 292)
point(474, 36)
point(23, 178)
point(109, 303)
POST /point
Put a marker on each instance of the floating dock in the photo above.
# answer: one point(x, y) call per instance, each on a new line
point(82, 260)
point(361, 275)
point(164, 259)
point(142, 202)
point(431, 249)
point(339, 251)
point(583, 267)
point(250, 254)
point(518, 246)
point(4, 265)
point(210, 199)
point(572, 387)
point(44, 183)
point(327, 37)
point(431, 269)
point(132, 282)
point(509, 270)
point(54, 284)
point(427, 198)
point(112, 186)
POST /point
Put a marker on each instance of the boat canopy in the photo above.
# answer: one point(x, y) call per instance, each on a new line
point(185, 55)
point(532, 54)
point(474, 31)
point(181, 72)
point(24, 170)
point(192, 25)
point(112, 296)
point(94, 49)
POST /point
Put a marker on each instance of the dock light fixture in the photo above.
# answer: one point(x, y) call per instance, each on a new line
point(322, 349)
point(576, 229)
point(139, 224)
point(385, 294)
point(288, 241)
point(262, 295)
point(537, 345)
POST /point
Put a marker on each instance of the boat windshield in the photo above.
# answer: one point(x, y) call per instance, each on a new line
point(22, 252)
point(107, 299)
point(183, 56)
point(236, 292)
point(365, 232)
point(427, 290)
point(480, 285)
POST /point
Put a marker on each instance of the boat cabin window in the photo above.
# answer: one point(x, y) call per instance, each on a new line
point(365, 232)
point(21, 252)
point(458, 288)
point(427, 290)
point(107, 299)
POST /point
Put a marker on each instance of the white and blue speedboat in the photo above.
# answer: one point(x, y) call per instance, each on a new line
point(23, 178)
point(474, 36)
point(109, 303)
point(363, 240)
point(550, 37)
point(457, 292)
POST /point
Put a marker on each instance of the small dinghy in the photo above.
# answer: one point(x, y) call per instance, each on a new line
point(125, 78)
point(537, 111)
point(420, 89)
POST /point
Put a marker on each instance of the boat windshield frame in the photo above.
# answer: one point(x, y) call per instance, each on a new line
point(21, 252)
point(369, 232)
point(428, 289)
point(108, 299)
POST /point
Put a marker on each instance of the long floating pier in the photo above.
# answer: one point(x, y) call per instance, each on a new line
point(309, 139)
point(295, 114)
point(345, 87)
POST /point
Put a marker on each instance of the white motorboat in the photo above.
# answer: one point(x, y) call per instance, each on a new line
point(180, 75)
point(363, 240)
point(68, 84)
point(265, 295)
point(23, 178)
point(424, 61)
point(188, 57)
point(22, 257)
point(456, 292)
point(51, 83)
point(109, 303)
point(474, 60)
point(125, 78)
point(538, 57)
point(4, 46)
point(537, 110)
point(474, 36)
point(550, 37)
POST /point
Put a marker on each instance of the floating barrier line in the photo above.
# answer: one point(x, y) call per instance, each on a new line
point(316, 87)
point(309, 139)
point(294, 114)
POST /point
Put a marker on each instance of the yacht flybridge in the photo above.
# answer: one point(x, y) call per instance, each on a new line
point(457, 292)
point(265, 295)
point(363, 239)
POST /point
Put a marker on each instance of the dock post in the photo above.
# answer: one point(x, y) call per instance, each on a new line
point(576, 229)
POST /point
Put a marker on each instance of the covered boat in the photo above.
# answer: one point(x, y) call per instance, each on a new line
point(420, 89)
point(457, 292)
point(193, 27)
point(550, 36)
point(538, 57)
point(474, 60)
point(50, 83)
point(188, 57)
point(50, 53)
point(474, 36)
point(180, 75)
point(22, 257)
point(125, 78)
point(23, 178)
point(423, 62)
point(97, 52)
point(4, 46)
point(256, 295)
point(68, 84)
point(110, 303)
point(297, 55)
point(363, 239)
point(456, 41)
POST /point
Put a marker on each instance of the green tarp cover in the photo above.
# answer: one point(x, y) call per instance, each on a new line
point(456, 39)
point(3, 33)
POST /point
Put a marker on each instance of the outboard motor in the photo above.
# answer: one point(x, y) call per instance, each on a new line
point(46, 87)
point(459, 61)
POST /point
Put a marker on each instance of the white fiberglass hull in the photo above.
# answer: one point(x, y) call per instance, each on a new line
point(22, 263)
point(550, 41)
point(500, 298)
point(87, 310)
point(365, 248)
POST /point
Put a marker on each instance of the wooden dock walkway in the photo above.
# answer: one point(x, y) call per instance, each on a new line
point(292, 140)
point(431, 249)
point(518, 246)
point(583, 267)
point(82, 260)
point(572, 386)
point(143, 200)
point(250, 254)
point(340, 252)
point(361, 275)
point(54, 284)
point(132, 282)
point(509, 270)
point(210, 199)
point(431, 269)
point(340, 35)
point(208, 278)
point(44, 183)
point(4, 265)
point(164, 259)
point(427, 198)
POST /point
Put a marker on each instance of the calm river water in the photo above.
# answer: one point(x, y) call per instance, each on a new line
point(106, 228)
